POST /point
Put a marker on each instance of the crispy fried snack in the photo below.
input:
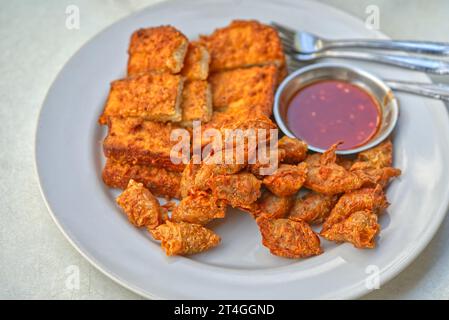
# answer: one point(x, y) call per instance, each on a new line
point(313, 208)
point(182, 238)
point(253, 87)
point(239, 190)
point(151, 96)
point(139, 204)
point(160, 49)
point(196, 63)
point(196, 102)
point(158, 180)
point(325, 176)
point(200, 208)
point(295, 150)
point(137, 141)
point(287, 179)
point(374, 165)
point(378, 157)
point(244, 44)
point(288, 238)
point(372, 199)
point(273, 207)
point(360, 228)
point(187, 184)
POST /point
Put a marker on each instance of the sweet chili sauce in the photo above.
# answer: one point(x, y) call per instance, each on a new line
point(329, 111)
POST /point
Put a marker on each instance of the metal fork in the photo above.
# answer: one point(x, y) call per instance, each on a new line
point(306, 42)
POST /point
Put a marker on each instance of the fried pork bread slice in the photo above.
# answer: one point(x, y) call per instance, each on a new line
point(196, 102)
point(160, 49)
point(244, 43)
point(254, 87)
point(159, 181)
point(196, 63)
point(134, 140)
point(152, 96)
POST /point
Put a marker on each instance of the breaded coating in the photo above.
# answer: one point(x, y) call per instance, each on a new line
point(379, 157)
point(254, 87)
point(268, 167)
point(158, 180)
point(196, 63)
point(196, 103)
point(289, 239)
point(200, 208)
point(160, 49)
point(360, 229)
point(188, 178)
point(287, 179)
point(140, 206)
point(273, 207)
point(313, 208)
point(374, 165)
point(345, 162)
point(295, 150)
point(207, 172)
point(152, 96)
point(325, 176)
point(137, 141)
point(372, 176)
point(372, 199)
point(244, 44)
point(182, 238)
point(238, 190)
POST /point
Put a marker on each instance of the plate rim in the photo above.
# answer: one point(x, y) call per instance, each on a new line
point(356, 291)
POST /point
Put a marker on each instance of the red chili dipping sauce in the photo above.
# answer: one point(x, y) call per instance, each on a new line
point(329, 111)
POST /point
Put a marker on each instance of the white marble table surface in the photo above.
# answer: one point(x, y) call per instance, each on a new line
point(35, 44)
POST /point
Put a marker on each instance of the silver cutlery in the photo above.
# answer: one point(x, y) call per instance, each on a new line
point(415, 63)
point(306, 42)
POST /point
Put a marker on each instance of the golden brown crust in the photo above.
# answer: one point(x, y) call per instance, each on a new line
point(200, 208)
point(244, 44)
point(159, 181)
point(273, 207)
point(372, 199)
point(196, 102)
point(313, 208)
point(326, 176)
point(137, 141)
point(295, 150)
point(196, 63)
point(289, 239)
point(360, 228)
point(181, 238)
point(160, 49)
point(253, 87)
point(238, 190)
point(140, 206)
point(149, 96)
point(287, 179)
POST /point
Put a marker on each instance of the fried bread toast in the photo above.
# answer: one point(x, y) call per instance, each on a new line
point(159, 181)
point(196, 63)
point(152, 96)
point(138, 141)
point(244, 43)
point(160, 49)
point(196, 102)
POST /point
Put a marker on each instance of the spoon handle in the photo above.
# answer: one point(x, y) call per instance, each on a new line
point(427, 47)
point(432, 90)
point(414, 63)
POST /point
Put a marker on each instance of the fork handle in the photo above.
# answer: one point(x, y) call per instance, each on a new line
point(433, 90)
point(415, 63)
point(428, 47)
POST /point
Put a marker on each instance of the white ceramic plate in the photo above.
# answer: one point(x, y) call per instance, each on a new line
point(69, 162)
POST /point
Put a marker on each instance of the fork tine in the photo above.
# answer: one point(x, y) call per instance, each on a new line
point(284, 30)
point(288, 45)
